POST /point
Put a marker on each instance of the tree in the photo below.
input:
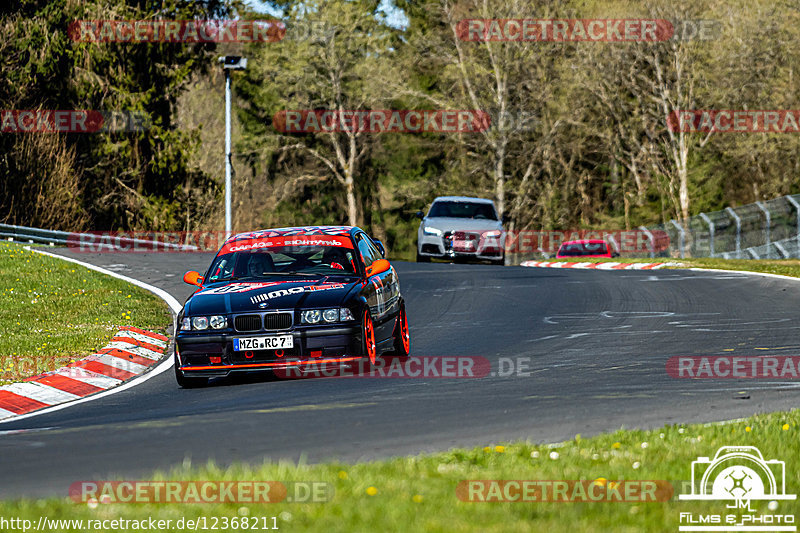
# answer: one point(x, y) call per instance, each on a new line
point(335, 57)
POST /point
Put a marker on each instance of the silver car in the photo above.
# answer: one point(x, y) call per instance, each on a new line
point(461, 228)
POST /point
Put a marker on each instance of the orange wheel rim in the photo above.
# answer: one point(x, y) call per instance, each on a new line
point(369, 337)
point(404, 331)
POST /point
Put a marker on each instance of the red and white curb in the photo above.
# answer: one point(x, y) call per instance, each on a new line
point(597, 266)
point(130, 353)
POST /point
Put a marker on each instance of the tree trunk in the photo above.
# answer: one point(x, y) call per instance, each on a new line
point(499, 183)
point(352, 212)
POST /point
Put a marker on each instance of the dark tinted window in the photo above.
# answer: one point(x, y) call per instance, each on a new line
point(453, 209)
point(369, 253)
point(264, 263)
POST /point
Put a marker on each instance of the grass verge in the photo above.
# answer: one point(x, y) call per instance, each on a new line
point(784, 267)
point(419, 493)
point(53, 311)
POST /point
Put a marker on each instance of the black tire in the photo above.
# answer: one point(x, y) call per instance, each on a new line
point(500, 262)
point(423, 258)
point(188, 383)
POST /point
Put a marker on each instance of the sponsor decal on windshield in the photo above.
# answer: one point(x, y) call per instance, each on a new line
point(243, 245)
point(303, 230)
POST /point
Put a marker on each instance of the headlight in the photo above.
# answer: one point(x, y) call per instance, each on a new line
point(315, 316)
point(186, 324)
point(218, 322)
point(310, 317)
point(432, 231)
point(200, 322)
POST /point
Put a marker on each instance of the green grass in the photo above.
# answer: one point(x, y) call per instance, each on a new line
point(53, 311)
point(419, 493)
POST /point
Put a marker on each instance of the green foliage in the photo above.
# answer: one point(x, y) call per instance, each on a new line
point(595, 152)
point(118, 179)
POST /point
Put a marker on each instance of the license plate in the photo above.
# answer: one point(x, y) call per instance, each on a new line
point(273, 342)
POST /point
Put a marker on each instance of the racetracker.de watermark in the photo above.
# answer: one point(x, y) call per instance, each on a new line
point(206, 491)
point(563, 491)
point(549, 241)
point(146, 241)
point(734, 121)
point(381, 121)
point(395, 367)
point(734, 367)
point(176, 31)
point(586, 30)
point(71, 121)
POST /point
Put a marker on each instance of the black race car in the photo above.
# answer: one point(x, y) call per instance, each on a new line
point(290, 297)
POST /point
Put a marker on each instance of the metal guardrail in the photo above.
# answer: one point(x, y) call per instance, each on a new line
point(762, 230)
point(62, 238)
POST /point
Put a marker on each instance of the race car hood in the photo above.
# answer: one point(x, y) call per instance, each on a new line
point(445, 224)
point(238, 297)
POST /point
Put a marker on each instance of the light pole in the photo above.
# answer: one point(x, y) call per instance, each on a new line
point(229, 63)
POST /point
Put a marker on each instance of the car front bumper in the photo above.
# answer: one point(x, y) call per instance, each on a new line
point(312, 345)
point(451, 245)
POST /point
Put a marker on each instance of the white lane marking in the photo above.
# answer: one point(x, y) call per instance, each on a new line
point(86, 376)
point(40, 392)
point(155, 370)
point(132, 348)
point(140, 337)
point(607, 266)
point(6, 414)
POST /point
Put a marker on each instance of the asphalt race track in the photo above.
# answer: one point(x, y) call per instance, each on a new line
point(596, 344)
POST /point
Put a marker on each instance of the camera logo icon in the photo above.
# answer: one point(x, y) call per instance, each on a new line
point(738, 473)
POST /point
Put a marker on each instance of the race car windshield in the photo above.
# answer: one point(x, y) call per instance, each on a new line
point(583, 249)
point(300, 261)
point(462, 210)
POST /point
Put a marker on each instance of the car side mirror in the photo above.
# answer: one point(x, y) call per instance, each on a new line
point(419, 214)
point(379, 266)
point(380, 247)
point(193, 278)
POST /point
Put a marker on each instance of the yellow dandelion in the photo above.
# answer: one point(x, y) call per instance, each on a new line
point(417, 498)
point(616, 445)
point(372, 491)
point(785, 427)
point(487, 449)
point(499, 449)
point(342, 474)
point(748, 429)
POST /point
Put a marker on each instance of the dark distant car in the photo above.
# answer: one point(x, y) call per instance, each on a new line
point(585, 248)
point(290, 297)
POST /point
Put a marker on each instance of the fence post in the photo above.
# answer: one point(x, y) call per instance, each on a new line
point(738, 220)
point(797, 207)
point(651, 239)
point(683, 237)
point(768, 222)
point(614, 242)
point(711, 229)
